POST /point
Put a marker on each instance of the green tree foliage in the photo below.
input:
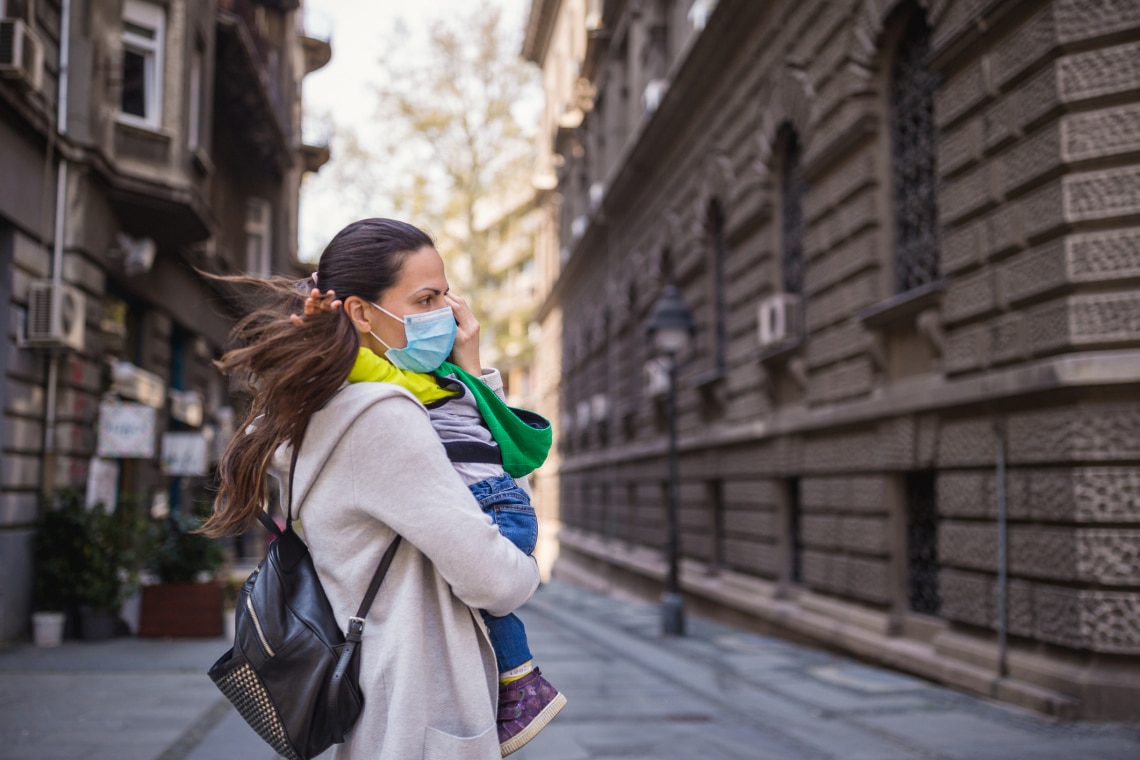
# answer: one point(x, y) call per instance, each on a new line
point(452, 130)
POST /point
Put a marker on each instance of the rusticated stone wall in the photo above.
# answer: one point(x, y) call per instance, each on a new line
point(845, 535)
point(1028, 345)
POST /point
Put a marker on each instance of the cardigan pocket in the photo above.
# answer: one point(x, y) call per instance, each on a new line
point(443, 746)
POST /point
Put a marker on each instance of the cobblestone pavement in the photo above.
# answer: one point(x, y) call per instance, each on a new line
point(718, 693)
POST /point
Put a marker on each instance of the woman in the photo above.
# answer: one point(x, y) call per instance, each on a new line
point(369, 467)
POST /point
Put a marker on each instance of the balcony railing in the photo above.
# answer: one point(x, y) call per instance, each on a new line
point(250, 80)
point(315, 30)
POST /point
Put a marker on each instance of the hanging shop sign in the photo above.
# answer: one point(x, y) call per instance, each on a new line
point(126, 431)
point(184, 454)
point(186, 407)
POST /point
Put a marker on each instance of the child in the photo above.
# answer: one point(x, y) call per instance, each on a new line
point(490, 444)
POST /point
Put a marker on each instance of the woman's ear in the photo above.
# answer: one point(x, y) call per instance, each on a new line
point(357, 310)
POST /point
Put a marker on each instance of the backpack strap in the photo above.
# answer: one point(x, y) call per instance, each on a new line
point(355, 632)
point(353, 636)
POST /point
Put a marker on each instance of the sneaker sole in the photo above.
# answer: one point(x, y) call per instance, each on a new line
point(516, 742)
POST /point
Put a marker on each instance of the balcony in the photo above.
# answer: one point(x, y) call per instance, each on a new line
point(249, 91)
point(316, 135)
point(315, 31)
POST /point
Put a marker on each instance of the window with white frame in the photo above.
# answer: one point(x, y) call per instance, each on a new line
point(144, 35)
point(258, 240)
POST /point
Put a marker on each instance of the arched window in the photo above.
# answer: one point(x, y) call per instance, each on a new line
point(791, 213)
point(665, 270)
point(913, 169)
point(716, 228)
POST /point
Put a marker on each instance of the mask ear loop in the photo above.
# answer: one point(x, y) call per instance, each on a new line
point(390, 314)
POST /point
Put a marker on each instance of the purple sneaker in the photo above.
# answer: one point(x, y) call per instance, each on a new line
point(525, 707)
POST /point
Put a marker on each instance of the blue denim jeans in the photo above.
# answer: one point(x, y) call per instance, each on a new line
point(509, 506)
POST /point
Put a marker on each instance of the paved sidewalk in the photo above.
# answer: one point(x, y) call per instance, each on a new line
point(716, 694)
point(723, 694)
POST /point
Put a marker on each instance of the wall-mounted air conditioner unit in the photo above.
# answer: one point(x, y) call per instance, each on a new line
point(56, 316)
point(21, 53)
point(780, 319)
point(599, 407)
point(578, 227)
point(582, 415)
point(654, 92)
point(597, 194)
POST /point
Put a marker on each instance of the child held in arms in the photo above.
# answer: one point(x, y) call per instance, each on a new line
point(489, 443)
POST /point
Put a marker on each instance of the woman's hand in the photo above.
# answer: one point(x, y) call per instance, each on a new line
point(316, 303)
point(465, 354)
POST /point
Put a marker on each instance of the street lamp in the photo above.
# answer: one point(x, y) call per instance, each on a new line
point(670, 330)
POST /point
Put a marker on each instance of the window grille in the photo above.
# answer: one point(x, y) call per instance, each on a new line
point(792, 216)
point(913, 166)
point(720, 298)
point(718, 557)
point(795, 533)
point(922, 543)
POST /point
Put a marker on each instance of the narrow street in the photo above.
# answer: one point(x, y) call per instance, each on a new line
point(717, 694)
point(724, 694)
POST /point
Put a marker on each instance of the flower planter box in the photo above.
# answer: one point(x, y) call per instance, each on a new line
point(182, 610)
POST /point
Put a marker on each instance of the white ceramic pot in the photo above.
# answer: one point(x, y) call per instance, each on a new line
point(228, 624)
point(47, 628)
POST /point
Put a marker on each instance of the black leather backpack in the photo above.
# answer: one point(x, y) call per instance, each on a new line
point(293, 674)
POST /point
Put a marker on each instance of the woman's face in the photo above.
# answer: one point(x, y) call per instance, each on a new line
point(420, 288)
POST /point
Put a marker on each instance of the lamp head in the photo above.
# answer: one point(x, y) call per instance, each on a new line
point(671, 327)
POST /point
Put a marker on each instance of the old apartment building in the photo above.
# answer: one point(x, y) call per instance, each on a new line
point(139, 140)
point(908, 233)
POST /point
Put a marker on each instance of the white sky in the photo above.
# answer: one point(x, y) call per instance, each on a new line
point(342, 90)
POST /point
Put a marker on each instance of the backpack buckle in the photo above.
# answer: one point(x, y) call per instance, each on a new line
point(355, 628)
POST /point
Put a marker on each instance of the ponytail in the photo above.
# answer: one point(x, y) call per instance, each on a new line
point(290, 370)
point(293, 370)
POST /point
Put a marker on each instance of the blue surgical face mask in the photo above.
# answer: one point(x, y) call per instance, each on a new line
point(431, 336)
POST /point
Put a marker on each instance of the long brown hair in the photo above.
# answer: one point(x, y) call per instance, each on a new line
point(293, 370)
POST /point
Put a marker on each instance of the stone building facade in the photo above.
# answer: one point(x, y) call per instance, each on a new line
point(908, 234)
point(139, 140)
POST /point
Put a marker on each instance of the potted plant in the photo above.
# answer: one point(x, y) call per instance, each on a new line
point(233, 584)
point(58, 554)
point(187, 600)
point(86, 562)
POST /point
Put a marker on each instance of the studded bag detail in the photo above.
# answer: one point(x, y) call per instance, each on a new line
point(293, 674)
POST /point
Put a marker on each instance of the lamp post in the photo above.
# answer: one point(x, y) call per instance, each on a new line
point(670, 331)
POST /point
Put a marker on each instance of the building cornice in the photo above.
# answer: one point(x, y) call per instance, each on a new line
point(658, 130)
point(539, 27)
point(1094, 369)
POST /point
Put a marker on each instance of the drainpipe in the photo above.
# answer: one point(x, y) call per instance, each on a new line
point(1002, 557)
point(57, 246)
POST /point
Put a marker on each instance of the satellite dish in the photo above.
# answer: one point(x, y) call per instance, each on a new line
point(138, 253)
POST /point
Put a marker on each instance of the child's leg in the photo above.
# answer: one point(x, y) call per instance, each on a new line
point(527, 701)
point(508, 637)
point(509, 506)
